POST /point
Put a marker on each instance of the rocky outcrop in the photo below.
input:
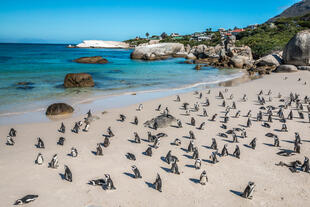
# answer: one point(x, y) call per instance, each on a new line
point(286, 69)
point(240, 57)
point(102, 44)
point(91, 60)
point(59, 109)
point(73, 80)
point(191, 56)
point(161, 120)
point(297, 50)
point(269, 60)
point(157, 51)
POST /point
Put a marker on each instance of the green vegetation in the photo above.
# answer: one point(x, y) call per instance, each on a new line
point(270, 37)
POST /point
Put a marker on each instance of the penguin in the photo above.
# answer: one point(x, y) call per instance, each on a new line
point(135, 121)
point(136, 172)
point(234, 105)
point(249, 123)
point(190, 147)
point(207, 102)
point(248, 192)
point(221, 96)
point(284, 128)
point(76, 128)
point(253, 143)
point(137, 138)
point(110, 133)
point(296, 147)
point(62, 128)
point(237, 152)
point(151, 138)
point(86, 128)
point(224, 151)
point(109, 183)
point(201, 127)
point(244, 98)
point(197, 164)
point(99, 150)
point(243, 133)
point(276, 142)
point(223, 103)
point(10, 141)
point(174, 168)
point(74, 152)
point(177, 142)
point(168, 157)
point(130, 156)
point(226, 119)
point(297, 138)
point(200, 95)
point(26, 199)
point(106, 142)
point(204, 114)
point(122, 117)
point(40, 143)
point(191, 135)
point(178, 98)
point(270, 118)
point(213, 117)
point(193, 122)
point(237, 114)
point(305, 166)
point(158, 183)
point(290, 115)
point(235, 138)
point(68, 174)
point(54, 162)
point(159, 135)
point(159, 107)
point(39, 160)
point(213, 157)
point(61, 141)
point(140, 107)
point(195, 153)
point(249, 113)
point(265, 124)
point(148, 151)
point(179, 123)
point(12, 132)
point(155, 125)
point(156, 142)
point(203, 178)
point(214, 144)
point(222, 135)
point(89, 114)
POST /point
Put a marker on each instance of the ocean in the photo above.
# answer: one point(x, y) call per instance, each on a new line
point(44, 66)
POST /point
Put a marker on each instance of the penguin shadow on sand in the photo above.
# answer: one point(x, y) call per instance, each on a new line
point(207, 147)
point(163, 159)
point(190, 166)
point(94, 152)
point(188, 156)
point(62, 176)
point(194, 180)
point(129, 174)
point(150, 185)
point(131, 141)
point(248, 146)
point(238, 193)
point(226, 140)
point(207, 161)
point(269, 145)
point(174, 126)
point(168, 170)
point(288, 141)
point(183, 149)
point(186, 137)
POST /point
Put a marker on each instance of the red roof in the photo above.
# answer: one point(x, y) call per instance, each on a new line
point(237, 30)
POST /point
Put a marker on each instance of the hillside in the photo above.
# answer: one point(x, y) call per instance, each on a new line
point(299, 9)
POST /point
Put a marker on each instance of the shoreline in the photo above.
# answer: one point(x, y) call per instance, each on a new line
point(82, 105)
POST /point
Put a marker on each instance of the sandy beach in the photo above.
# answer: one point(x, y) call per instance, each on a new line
point(275, 185)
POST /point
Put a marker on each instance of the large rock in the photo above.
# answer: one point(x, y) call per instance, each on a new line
point(191, 56)
point(92, 60)
point(240, 57)
point(59, 109)
point(157, 51)
point(269, 60)
point(286, 68)
point(73, 80)
point(297, 50)
point(162, 121)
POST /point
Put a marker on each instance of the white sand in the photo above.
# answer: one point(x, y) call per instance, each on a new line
point(275, 186)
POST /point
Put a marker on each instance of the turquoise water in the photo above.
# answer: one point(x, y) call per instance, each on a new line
point(45, 66)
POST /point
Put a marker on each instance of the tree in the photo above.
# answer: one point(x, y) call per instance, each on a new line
point(164, 35)
point(147, 35)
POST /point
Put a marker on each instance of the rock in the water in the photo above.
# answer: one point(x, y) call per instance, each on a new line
point(25, 85)
point(198, 67)
point(91, 60)
point(73, 80)
point(191, 56)
point(157, 51)
point(162, 121)
point(286, 68)
point(297, 50)
point(59, 109)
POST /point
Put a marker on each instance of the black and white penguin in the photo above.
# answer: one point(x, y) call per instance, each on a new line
point(40, 143)
point(140, 107)
point(62, 128)
point(174, 168)
point(148, 151)
point(195, 153)
point(237, 152)
point(106, 142)
point(61, 141)
point(54, 162)
point(305, 166)
point(26, 199)
point(74, 152)
point(191, 135)
point(158, 183)
point(39, 160)
point(201, 127)
point(136, 172)
point(224, 151)
point(98, 182)
point(253, 143)
point(193, 122)
point(68, 174)
point(109, 183)
point(197, 164)
point(276, 141)
point(190, 147)
point(122, 117)
point(204, 114)
point(214, 144)
point(76, 128)
point(213, 117)
point(248, 192)
point(177, 142)
point(99, 150)
point(137, 138)
point(213, 157)
point(86, 128)
point(10, 141)
point(178, 98)
point(156, 142)
point(110, 133)
point(168, 157)
point(130, 156)
point(203, 178)
point(135, 121)
point(179, 123)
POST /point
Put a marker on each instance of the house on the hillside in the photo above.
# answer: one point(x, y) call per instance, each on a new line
point(236, 31)
point(175, 35)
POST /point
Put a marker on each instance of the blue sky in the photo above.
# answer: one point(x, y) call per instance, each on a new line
point(71, 21)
